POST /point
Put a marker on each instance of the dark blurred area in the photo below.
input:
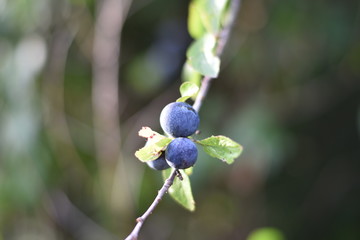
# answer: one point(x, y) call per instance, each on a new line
point(288, 91)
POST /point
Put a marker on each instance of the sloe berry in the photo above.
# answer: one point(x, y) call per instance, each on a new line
point(179, 119)
point(158, 164)
point(181, 153)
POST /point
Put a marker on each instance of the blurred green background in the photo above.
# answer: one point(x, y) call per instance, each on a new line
point(288, 91)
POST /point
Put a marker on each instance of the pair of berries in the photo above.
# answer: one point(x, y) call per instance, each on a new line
point(178, 120)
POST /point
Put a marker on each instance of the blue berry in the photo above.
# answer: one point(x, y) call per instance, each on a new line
point(158, 164)
point(179, 119)
point(181, 153)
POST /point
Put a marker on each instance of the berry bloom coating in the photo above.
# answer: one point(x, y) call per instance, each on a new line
point(158, 164)
point(181, 153)
point(179, 119)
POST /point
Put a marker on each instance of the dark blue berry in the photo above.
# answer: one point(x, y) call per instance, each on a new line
point(158, 164)
point(181, 153)
point(179, 119)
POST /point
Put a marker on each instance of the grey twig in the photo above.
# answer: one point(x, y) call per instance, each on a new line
point(140, 220)
point(222, 40)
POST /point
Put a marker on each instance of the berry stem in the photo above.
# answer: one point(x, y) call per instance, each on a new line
point(178, 174)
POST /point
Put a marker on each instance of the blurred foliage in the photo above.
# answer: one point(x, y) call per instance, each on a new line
point(266, 234)
point(288, 91)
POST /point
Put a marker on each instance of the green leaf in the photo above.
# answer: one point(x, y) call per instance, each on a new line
point(211, 12)
point(189, 171)
point(153, 150)
point(266, 233)
point(187, 90)
point(180, 191)
point(189, 74)
point(195, 25)
point(183, 99)
point(202, 58)
point(221, 147)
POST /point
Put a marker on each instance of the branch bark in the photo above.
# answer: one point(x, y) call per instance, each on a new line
point(140, 220)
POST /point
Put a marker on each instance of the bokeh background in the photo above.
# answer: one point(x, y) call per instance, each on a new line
point(79, 78)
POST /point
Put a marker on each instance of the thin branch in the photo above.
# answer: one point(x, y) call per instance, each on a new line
point(205, 85)
point(140, 220)
point(222, 40)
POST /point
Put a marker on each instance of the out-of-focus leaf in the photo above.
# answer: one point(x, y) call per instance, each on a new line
point(189, 171)
point(266, 233)
point(180, 191)
point(205, 17)
point(202, 58)
point(190, 75)
point(152, 151)
point(195, 25)
point(221, 147)
point(187, 90)
point(211, 12)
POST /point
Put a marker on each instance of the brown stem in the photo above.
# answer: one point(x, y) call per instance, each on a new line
point(140, 220)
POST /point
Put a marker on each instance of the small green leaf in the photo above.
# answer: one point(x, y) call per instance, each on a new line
point(195, 25)
point(221, 147)
point(153, 150)
point(183, 99)
point(180, 191)
point(187, 90)
point(190, 75)
point(210, 12)
point(202, 58)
